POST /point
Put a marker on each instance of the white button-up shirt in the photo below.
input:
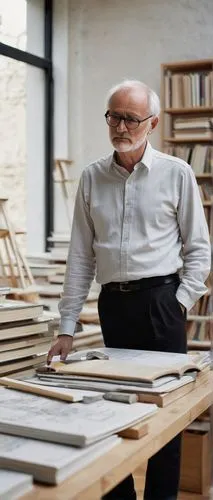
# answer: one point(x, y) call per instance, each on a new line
point(131, 226)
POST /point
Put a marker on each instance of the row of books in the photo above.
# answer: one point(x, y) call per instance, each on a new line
point(200, 157)
point(188, 90)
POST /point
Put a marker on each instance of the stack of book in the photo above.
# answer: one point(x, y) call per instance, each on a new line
point(156, 377)
point(193, 128)
point(24, 336)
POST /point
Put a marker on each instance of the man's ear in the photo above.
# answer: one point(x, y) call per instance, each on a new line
point(154, 123)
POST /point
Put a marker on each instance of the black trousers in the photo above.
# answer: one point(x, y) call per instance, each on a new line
point(149, 319)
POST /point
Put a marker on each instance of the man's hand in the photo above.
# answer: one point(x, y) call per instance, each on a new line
point(62, 347)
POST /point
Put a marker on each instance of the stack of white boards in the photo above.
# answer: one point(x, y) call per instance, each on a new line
point(49, 463)
point(89, 313)
point(60, 438)
point(90, 336)
point(14, 484)
point(24, 336)
point(157, 377)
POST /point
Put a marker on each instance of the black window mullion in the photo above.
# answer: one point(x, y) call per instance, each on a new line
point(26, 57)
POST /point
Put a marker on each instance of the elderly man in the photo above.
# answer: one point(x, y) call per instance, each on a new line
point(139, 223)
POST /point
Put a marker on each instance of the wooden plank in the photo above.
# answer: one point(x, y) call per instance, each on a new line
point(135, 432)
point(103, 474)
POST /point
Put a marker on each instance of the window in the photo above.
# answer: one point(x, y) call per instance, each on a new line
point(26, 115)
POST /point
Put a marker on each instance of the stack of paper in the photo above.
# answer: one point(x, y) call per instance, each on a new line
point(146, 373)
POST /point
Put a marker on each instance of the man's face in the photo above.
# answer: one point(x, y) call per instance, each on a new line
point(129, 103)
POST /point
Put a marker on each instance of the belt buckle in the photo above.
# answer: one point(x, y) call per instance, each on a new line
point(123, 287)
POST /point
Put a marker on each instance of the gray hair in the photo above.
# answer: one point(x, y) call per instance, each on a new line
point(152, 97)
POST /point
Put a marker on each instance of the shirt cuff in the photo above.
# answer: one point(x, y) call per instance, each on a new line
point(67, 327)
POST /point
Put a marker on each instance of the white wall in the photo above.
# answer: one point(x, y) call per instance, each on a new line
point(61, 104)
point(114, 39)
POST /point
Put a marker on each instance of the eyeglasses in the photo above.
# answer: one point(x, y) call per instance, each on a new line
point(113, 120)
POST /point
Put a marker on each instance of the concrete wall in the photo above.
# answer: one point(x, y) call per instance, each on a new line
point(114, 39)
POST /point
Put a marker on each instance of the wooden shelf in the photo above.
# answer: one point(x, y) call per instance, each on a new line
point(204, 177)
point(186, 111)
point(182, 84)
point(196, 140)
point(207, 203)
point(189, 65)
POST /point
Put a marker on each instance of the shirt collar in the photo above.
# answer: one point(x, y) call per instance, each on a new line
point(145, 161)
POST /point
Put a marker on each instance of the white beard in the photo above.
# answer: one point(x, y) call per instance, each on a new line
point(126, 147)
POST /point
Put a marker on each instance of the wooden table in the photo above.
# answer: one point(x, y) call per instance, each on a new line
point(103, 474)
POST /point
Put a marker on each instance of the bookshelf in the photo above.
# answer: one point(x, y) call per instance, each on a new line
point(187, 132)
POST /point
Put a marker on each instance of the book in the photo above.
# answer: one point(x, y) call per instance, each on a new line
point(194, 123)
point(49, 462)
point(189, 134)
point(16, 310)
point(14, 484)
point(25, 352)
point(31, 340)
point(23, 328)
point(72, 424)
point(128, 365)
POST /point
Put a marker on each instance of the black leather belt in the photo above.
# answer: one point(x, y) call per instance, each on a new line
point(133, 286)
